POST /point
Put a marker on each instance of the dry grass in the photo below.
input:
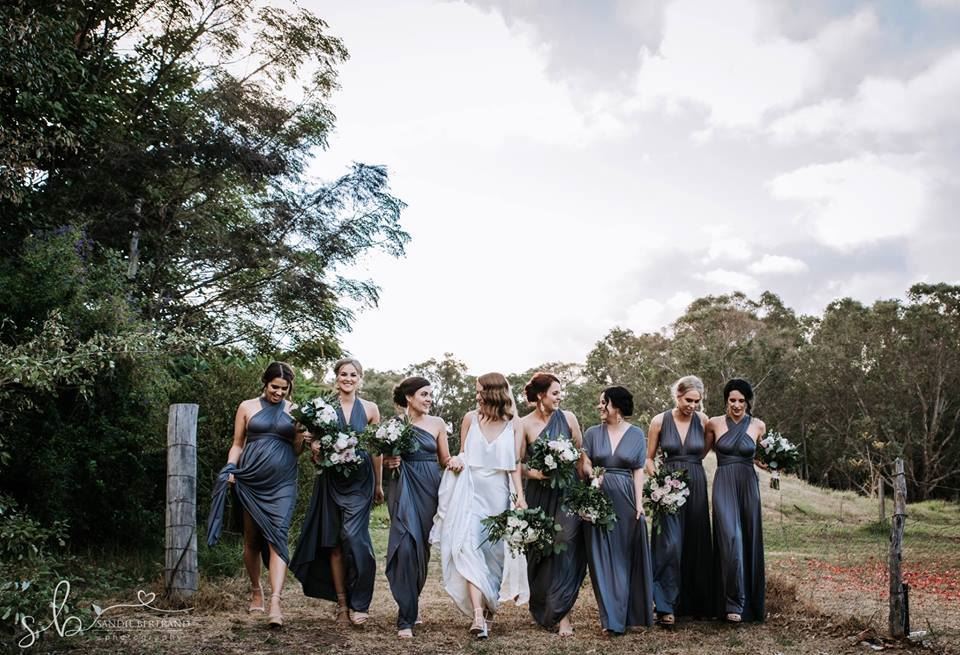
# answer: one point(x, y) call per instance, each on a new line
point(821, 599)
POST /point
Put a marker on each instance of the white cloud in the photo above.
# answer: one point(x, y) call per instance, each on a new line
point(728, 58)
point(729, 280)
point(679, 301)
point(645, 315)
point(925, 103)
point(732, 249)
point(941, 4)
point(859, 200)
point(777, 264)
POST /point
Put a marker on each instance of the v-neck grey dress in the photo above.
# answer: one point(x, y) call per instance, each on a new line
point(619, 559)
point(682, 546)
point(339, 514)
point(738, 526)
point(555, 579)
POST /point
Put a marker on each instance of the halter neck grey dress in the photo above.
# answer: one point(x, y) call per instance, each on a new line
point(737, 525)
point(339, 514)
point(619, 559)
point(682, 546)
point(266, 480)
point(555, 580)
point(412, 501)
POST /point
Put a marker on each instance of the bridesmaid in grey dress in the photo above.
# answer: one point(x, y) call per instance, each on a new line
point(682, 546)
point(554, 580)
point(737, 524)
point(334, 559)
point(619, 559)
point(262, 467)
point(412, 500)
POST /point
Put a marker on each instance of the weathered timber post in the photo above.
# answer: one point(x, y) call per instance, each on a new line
point(899, 614)
point(180, 570)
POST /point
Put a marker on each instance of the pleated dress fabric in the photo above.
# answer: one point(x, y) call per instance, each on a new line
point(412, 502)
point(682, 544)
point(555, 580)
point(619, 559)
point(339, 514)
point(738, 526)
point(265, 480)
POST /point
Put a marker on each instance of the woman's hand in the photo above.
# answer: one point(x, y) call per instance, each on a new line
point(648, 468)
point(230, 478)
point(585, 518)
point(391, 461)
point(640, 514)
point(378, 494)
point(455, 464)
point(534, 474)
point(315, 451)
point(521, 502)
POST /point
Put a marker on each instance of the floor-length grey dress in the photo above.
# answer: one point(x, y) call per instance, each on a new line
point(412, 501)
point(619, 559)
point(682, 546)
point(339, 514)
point(266, 480)
point(737, 526)
point(555, 580)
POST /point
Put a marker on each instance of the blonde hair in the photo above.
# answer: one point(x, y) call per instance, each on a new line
point(685, 384)
point(340, 363)
point(496, 401)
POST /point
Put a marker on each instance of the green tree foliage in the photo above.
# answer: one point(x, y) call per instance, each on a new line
point(162, 235)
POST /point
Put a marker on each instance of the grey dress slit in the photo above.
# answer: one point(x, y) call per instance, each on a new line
point(265, 480)
point(619, 559)
point(737, 526)
point(412, 501)
point(682, 546)
point(339, 515)
point(555, 580)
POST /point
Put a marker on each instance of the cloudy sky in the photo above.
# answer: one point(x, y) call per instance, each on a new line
point(570, 167)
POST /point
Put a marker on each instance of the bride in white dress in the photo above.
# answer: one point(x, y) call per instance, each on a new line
point(478, 483)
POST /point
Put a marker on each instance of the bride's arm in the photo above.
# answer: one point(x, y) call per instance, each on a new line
point(455, 463)
point(516, 473)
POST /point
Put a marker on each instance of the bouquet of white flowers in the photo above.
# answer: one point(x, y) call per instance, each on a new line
point(393, 437)
point(778, 454)
point(556, 459)
point(588, 501)
point(338, 448)
point(665, 493)
point(527, 531)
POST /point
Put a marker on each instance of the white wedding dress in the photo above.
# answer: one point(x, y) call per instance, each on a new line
point(480, 490)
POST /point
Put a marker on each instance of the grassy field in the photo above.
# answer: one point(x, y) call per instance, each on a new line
point(826, 561)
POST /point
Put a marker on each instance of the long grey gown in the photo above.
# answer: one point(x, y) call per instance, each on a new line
point(339, 514)
point(412, 501)
point(266, 480)
point(619, 559)
point(555, 580)
point(737, 526)
point(682, 546)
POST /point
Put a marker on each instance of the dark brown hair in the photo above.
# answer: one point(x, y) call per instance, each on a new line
point(539, 383)
point(408, 387)
point(741, 385)
point(620, 398)
point(278, 370)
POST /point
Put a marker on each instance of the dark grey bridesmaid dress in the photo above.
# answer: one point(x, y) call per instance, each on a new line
point(339, 514)
point(412, 501)
point(682, 546)
point(266, 480)
point(619, 559)
point(555, 580)
point(737, 526)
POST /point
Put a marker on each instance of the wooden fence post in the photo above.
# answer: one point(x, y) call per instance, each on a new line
point(899, 614)
point(180, 569)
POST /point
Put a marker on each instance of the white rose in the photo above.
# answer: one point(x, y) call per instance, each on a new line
point(342, 441)
point(550, 462)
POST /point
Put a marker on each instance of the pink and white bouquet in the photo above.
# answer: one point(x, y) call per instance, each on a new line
point(556, 459)
point(665, 493)
point(777, 454)
point(338, 447)
point(393, 437)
